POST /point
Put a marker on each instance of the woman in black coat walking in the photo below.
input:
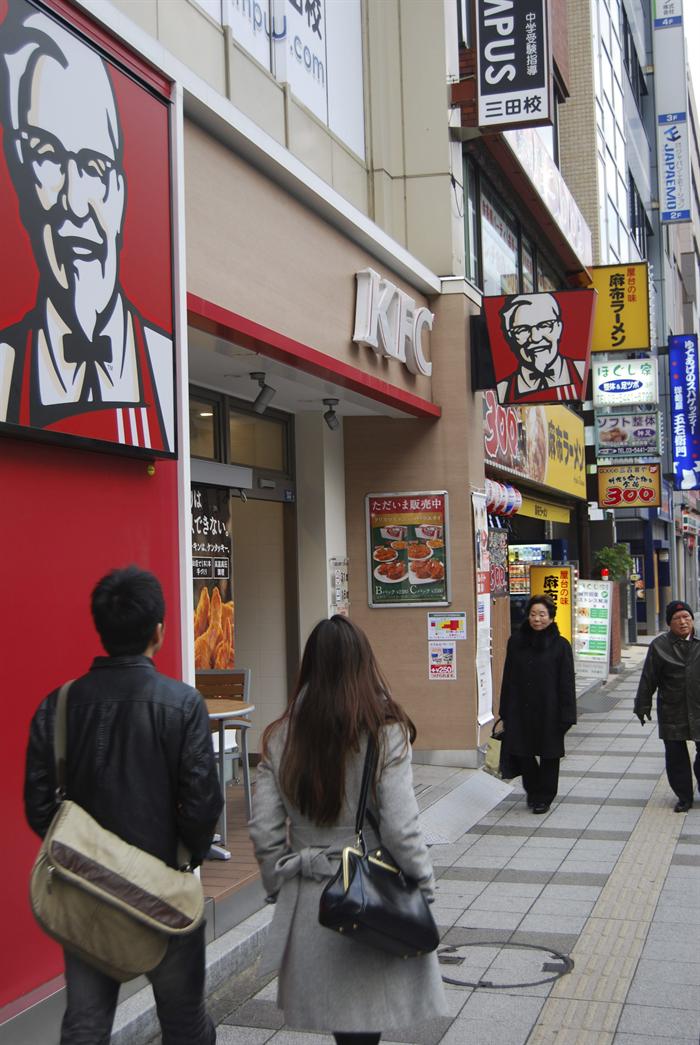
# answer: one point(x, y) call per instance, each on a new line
point(538, 701)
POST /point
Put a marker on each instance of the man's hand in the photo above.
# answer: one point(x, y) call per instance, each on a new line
point(641, 715)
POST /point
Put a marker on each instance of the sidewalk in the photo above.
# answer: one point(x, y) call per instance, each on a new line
point(608, 880)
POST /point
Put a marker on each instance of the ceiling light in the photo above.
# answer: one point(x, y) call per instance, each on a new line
point(265, 394)
point(206, 413)
point(330, 416)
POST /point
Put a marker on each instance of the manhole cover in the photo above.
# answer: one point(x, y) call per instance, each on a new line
point(514, 965)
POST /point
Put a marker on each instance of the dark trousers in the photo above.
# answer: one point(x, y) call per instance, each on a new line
point(357, 1039)
point(540, 779)
point(178, 988)
point(678, 768)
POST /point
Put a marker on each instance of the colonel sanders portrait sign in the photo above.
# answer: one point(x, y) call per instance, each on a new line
point(86, 309)
point(540, 345)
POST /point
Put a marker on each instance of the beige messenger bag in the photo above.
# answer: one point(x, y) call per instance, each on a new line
point(107, 901)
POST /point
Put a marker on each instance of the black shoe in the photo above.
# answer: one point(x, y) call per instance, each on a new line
point(682, 807)
point(530, 802)
point(540, 807)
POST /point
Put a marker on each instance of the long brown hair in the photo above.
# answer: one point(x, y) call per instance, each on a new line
point(340, 695)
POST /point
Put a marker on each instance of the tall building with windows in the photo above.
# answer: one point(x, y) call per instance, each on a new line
point(609, 154)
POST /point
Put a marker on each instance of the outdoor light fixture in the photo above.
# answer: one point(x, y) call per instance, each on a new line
point(330, 416)
point(265, 394)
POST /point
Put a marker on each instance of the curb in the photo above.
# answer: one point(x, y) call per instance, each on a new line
point(136, 1022)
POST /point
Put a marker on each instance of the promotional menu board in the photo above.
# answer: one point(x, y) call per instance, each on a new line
point(629, 485)
point(592, 628)
point(211, 579)
point(407, 549)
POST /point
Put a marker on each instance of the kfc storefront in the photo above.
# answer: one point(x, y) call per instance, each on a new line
point(284, 362)
point(337, 353)
point(89, 360)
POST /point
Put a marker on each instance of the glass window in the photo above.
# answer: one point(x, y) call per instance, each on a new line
point(203, 426)
point(499, 247)
point(613, 230)
point(546, 277)
point(471, 241)
point(528, 273)
point(258, 442)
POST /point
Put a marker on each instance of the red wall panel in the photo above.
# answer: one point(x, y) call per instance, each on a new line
point(66, 518)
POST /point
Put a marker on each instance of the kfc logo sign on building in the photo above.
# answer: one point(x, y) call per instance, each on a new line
point(387, 320)
point(540, 345)
point(86, 347)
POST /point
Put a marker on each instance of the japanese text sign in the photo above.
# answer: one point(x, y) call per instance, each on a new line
point(629, 486)
point(514, 65)
point(407, 549)
point(622, 316)
point(626, 435)
point(542, 443)
point(685, 422)
point(629, 381)
point(540, 345)
point(557, 583)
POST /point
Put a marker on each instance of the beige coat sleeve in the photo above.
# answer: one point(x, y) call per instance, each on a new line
point(268, 827)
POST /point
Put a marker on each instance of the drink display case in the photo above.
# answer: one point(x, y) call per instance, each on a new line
point(520, 558)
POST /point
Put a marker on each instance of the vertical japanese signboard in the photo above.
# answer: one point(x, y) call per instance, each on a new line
point(671, 93)
point(482, 570)
point(407, 549)
point(592, 630)
point(513, 63)
point(622, 314)
point(557, 583)
point(685, 426)
point(629, 485)
point(498, 562)
point(211, 578)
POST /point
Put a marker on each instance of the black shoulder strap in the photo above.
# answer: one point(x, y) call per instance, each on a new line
point(367, 774)
point(59, 739)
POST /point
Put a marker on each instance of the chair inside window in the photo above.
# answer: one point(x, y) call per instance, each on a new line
point(228, 685)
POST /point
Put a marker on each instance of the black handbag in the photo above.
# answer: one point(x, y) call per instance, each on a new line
point(371, 900)
point(508, 766)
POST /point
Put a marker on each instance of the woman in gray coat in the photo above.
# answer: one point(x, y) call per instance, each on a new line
point(306, 793)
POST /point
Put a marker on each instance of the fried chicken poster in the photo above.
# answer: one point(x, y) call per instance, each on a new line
point(211, 575)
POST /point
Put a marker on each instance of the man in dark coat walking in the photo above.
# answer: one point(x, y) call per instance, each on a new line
point(538, 701)
point(672, 670)
point(139, 759)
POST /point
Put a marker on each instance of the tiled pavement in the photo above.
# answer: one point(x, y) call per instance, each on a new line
point(610, 879)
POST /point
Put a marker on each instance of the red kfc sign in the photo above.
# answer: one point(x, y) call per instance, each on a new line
point(86, 314)
point(540, 345)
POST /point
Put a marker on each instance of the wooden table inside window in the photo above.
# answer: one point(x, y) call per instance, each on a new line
point(232, 714)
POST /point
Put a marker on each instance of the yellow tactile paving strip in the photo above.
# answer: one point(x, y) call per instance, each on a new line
point(584, 1007)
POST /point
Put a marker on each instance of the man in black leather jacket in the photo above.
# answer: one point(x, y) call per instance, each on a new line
point(140, 761)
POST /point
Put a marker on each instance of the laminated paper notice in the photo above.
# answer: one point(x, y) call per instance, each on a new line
point(442, 660)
